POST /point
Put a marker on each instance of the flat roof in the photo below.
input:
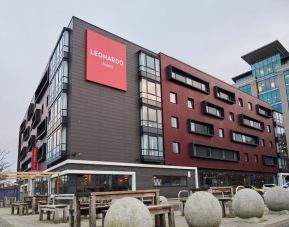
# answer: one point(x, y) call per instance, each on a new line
point(265, 51)
point(241, 76)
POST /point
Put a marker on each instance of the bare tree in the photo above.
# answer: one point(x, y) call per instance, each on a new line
point(4, 164)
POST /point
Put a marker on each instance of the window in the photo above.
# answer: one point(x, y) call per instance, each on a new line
point(203, 151)
point(270, 144)
point(170, 181)
point(152, 146)
point(255, 158)
point(269, 161)
point(188, 80)
point(244, 138)
point(251, 123)
point(240, 102)
point(201, 128)
point(176, 147)
point(268, 128)
point(262, 143)
point(173, 97)
point(213, 110)
point(225, 95)
point(250, 106)
point(191, 104)
point(174, 122)
point(150, 92)
point(246, 157)
point(221, 133)
point(231, 116)
point(151, 117)
point(149, 65)
point(263, 111)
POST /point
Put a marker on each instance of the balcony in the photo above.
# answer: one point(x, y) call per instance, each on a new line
point(42, 129)
point(152, 156)
point(22, 126)
point(23, 153)
point(42, 87)
point(41, 155)
point(26, 133)
point(31, 142)
point(30, 111)
point(61, 119)
point(36, 118)
point(56, 155)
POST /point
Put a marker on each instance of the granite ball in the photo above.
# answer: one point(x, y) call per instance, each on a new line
point(277, 199)
point(128, 212)
point(163, 200)
point(248, 203)
point(202, 209)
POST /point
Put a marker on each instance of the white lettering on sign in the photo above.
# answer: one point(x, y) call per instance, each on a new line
point(109, 58)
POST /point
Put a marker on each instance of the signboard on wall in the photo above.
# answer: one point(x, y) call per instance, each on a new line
point(105, 61)
point(34, 163)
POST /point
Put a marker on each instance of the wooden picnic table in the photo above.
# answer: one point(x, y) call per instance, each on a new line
point(58, 210)
point(223, 202)
point(20, 206)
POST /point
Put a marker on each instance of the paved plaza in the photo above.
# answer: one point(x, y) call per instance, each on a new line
point(8, 220)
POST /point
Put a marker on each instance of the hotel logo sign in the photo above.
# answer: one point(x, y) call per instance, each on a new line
point(105, 61)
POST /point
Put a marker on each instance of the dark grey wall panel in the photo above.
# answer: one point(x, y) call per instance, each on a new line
point(103, 122)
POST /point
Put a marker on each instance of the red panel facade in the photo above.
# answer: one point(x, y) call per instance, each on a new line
point(182, 135)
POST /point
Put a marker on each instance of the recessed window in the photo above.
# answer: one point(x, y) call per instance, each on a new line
point(263, 111)
point(173, 97)
point(246, 157)
point(231, 116)
point(251, 122)
point(213, 110)
point(201, 128)
point(268, 128)
point(225, 95)
point(256, 158)
point(176, 147)
point(250, 106)
point(269, 161)
point(239, 137)
point(262, 143)
point(191, 103)
point(174, 122)
point(270, 144)
point(240, 102)
point(221, 133)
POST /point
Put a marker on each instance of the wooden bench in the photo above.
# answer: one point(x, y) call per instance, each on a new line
point(102, 198)
point(61, 198)
point(22, 208)
point(58, 211)
point(222, 192)
point(38, 200)
point(8, 201)
point(159, 210)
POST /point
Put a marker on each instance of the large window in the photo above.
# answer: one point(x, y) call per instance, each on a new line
point(62, 46)
point(201, 128)
point(269, 161)
point(58, 82)
point(213, 110)
point(239, 137)
point(268, 84)
point(225, 95)
point(150, 92)
point(151, 117)
point(170, 181)
point(56, 112)
point(246, 88)
point(56, 144)
point(149, 64)
point(251, 123)
point(203, 151)
point(263, 111)
point(266, 66)
point(152, 145)
point(188, 80)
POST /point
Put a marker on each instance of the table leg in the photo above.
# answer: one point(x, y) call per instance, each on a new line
point(48, 215)
point(65, 210)
point(171, 217)
point(223, 209)
point(34, 205)
point(20, 210)
point(56, 215)
point(12, 209)
point(40, 215)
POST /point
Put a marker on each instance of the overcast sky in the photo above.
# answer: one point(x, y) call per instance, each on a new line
point(210, 35)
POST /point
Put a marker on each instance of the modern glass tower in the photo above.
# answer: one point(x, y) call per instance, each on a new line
point(268, 80)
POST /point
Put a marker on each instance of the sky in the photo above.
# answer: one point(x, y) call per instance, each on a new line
point(210, 35)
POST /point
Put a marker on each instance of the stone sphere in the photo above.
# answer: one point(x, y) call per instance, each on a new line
point(163, 200)
point(248, 203)
point(202, 209)
point(277, 199)
point(128, 212)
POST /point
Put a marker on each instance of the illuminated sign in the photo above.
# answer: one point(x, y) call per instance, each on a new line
point(105, 61)
point(34, 163)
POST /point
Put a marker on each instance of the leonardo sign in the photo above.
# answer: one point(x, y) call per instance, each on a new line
point(105, 61)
